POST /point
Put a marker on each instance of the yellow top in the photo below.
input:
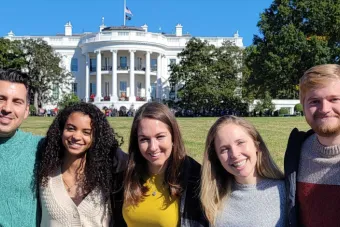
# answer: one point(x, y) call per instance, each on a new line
point(156, 210)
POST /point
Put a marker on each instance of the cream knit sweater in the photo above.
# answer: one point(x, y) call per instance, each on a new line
point(59, 210)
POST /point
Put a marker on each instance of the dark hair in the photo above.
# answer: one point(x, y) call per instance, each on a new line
point(137, 166)
point(99, 157)
point(16, 76)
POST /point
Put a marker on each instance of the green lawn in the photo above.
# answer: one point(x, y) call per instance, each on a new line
point(275, 131)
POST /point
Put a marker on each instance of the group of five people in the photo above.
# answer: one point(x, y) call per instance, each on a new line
point(78, 176)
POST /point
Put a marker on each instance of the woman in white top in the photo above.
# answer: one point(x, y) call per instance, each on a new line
point(74, 169)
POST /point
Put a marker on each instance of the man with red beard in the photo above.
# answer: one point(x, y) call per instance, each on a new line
point(18, 199)
point(312, 159)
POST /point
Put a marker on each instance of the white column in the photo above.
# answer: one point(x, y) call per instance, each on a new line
point(159, 82)
point(147, 77)
point(164, 72)
point(99, 77)
point(132, 96)
point(87, 77)
point(114, 96)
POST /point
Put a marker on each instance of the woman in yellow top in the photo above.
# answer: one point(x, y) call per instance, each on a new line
point(161, 186)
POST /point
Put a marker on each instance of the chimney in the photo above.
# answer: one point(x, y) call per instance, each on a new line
point(68, 29)
point(179, 30)
point(145, 27)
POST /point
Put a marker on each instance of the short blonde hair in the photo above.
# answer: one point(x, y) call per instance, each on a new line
point(215, 180)
point(317, 77)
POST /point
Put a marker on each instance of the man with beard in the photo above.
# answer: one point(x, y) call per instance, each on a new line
point(18, 199)
point(312, 159)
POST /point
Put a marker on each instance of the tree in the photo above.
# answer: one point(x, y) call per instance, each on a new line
point(11, 55)
point(295, 35)
point(265, 105)
point(67, 100)
point(44, 67)
point(206, 76)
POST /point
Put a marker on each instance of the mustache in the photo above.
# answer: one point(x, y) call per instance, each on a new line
point(321, 115)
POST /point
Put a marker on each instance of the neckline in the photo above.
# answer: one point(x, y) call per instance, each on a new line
point(64, 191)
point(325, 151)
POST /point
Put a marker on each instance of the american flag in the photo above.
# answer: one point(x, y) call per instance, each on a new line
point(128, 11)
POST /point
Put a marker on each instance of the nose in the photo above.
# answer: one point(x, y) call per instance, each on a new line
point(153, 145)
point(76, 135)
point(5, 107)
point(234, 153)
point(325, 106)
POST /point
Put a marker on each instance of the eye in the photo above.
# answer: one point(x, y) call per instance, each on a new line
point(142, 140)
point(88, 133)
point(314, 102)
point(161, 137)
point(240, 142)
point(69, 129)
point(224, 150)
point(335, 100)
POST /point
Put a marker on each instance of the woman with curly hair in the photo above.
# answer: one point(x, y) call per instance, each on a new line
point(161, 186)
point(77, 164)
point(241, 184)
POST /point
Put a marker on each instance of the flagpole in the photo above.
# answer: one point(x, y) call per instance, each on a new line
point(124, 11)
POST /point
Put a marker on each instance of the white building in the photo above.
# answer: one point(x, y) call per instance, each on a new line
point(121, 66)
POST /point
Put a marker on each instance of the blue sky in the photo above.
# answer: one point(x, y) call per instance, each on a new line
point(198, 17)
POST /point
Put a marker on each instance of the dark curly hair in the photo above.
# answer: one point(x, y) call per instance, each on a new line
point(99, 157)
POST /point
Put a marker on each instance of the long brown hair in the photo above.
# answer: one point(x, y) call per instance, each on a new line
point(134, 189)
point(215, 180)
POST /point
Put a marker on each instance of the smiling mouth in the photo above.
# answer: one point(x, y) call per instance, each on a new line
point(239, 164)
point(75, 145)
point(154, 155)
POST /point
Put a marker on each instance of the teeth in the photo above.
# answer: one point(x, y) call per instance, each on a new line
point(238, 164)
point(154, 155)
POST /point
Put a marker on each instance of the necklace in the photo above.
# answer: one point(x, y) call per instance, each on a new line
point(68, 187)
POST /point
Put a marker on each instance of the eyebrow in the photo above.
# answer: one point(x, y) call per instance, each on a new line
point(69, 124)
point(142, 135)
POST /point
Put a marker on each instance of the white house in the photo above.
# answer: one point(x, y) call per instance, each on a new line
point(121, 65)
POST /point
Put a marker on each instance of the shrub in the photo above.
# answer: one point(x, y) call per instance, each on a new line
point(298, 109)
point(283, 111)
point(68, 99)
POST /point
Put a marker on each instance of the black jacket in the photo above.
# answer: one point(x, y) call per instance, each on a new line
point(191, 213)
point(291, 168)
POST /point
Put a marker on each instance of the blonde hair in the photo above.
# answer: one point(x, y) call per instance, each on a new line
point(317, 77)
point(215, 180)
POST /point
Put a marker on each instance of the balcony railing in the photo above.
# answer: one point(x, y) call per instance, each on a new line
point(109, 68)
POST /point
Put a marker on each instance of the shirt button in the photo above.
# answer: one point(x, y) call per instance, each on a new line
point(75, 215)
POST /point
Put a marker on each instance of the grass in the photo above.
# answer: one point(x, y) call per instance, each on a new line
point(275, 131)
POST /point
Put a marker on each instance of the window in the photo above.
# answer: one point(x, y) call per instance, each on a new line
point(153, 91)
point(172, 61)
point(55, 90)
point(93, 65)
point(107, 88)
point(139, 63)
point(106, 63)
point(74, 88)
point(139, 89)
point(153, 64)
point(93, 89)
point(123, 62)
point(74, 64)
point(122, 88)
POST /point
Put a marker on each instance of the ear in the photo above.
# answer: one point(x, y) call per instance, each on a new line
point(27, 110)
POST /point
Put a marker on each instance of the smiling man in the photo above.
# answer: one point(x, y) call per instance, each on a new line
point(18, 201)
point(312, 159)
